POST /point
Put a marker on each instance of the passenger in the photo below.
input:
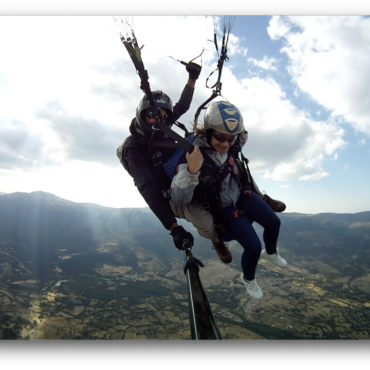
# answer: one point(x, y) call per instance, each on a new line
point(212, 178)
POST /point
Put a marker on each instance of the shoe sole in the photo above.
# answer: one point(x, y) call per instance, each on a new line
point(264, 255)
point(225, 260)
point(242, 279)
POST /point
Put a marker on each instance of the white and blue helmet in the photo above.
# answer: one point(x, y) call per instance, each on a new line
point(224, 117)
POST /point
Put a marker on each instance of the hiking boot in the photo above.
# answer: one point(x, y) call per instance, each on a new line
point(275, 258)
point(275, 205)
point(223, 252)
point(252, 288)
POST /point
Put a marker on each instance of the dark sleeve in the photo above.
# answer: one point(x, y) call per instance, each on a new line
point(148, 184)
point(183, 105)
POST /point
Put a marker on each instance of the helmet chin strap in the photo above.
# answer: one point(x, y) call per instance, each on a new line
point(167, 122)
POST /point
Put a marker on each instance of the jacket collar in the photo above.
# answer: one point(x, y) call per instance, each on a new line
point(137, 133)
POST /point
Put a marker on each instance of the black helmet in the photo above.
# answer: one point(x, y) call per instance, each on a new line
point(162, 101)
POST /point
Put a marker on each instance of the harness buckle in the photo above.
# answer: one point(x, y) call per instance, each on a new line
point(202, 204)
point(157, 158)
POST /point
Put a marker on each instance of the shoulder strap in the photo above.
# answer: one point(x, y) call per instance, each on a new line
point(175, 160)
point(227, 25)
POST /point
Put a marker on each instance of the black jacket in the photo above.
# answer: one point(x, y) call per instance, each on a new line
point(137, 159)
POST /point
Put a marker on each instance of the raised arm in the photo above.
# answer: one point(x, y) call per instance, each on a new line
point(183, 105)
point(187, 177)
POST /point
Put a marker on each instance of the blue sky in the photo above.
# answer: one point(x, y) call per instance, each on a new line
point(69, 92)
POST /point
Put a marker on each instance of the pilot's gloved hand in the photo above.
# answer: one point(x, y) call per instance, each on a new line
point(194, 70)
point(180, 235)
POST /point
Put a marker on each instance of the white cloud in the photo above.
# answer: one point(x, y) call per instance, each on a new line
point(329, 60)
point(74, 97)
point(284, 141)
point(362, 142)
point(234, 47)
point(266, 63)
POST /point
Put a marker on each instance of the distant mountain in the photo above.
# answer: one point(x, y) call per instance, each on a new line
point(343, 234)
point(45, 222)
point(31, 218)
point(2, 193)
point(24, 214)
point(61, 257)
point(42, 224)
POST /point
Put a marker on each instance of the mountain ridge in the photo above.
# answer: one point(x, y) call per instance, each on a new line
point(76, 270)
point(46, 195)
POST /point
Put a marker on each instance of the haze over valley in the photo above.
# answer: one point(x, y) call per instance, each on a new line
point(82, 271)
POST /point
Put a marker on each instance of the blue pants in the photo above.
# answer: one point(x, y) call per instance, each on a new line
point(242, 231)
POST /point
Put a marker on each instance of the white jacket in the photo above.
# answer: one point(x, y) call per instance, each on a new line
point(184, 183)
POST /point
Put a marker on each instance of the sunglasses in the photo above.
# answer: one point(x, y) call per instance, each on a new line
point(222, 138)
point(151, 116)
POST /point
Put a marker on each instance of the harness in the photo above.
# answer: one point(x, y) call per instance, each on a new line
point(207, 192)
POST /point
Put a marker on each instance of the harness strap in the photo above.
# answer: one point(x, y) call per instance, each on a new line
point(209, 196)
point(182, 126)
point(235, 214)
point(222, 58)
point(135, 54)
point(163, 179)
point(203, 106)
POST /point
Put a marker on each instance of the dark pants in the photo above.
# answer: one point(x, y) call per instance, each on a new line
point(242, 231)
